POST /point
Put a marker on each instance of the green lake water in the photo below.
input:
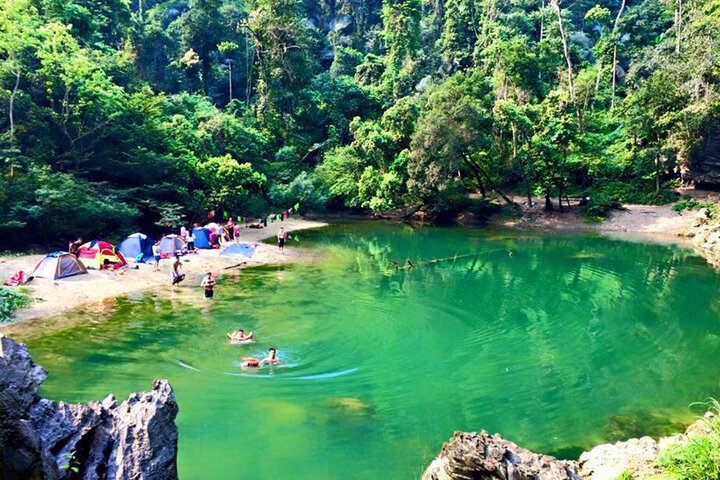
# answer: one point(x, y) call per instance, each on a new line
point(570, 341)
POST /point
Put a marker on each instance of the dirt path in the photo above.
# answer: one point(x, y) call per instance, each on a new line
point(56, 296)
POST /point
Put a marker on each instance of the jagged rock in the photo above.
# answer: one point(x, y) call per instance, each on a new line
point(45, 440)
point(483, 456)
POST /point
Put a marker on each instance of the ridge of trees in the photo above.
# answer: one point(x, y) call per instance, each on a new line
point(125, 115)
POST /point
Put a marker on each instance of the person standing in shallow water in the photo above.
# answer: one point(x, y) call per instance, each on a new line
point(281, 236)
point(177, 275)
point(208, 283)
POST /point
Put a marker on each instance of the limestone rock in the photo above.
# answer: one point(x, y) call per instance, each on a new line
point(45, 440)
point(637, 456)
point(483, 456)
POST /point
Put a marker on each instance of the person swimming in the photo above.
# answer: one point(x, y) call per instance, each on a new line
point(239, 336)
point(252, 362)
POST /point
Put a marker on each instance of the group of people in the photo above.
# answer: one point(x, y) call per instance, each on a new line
point(239, 336)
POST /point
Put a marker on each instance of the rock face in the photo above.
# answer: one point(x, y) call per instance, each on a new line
point(705, 232)
point(45, 440)
point(704, 168)
point(487, 457)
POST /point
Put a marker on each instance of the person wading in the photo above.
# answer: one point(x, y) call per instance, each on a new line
point(209, 284)
point(177, 275)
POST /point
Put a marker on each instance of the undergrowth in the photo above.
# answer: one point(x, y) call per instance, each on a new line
point(10, 300)
point(699, 457)
point(687, 203)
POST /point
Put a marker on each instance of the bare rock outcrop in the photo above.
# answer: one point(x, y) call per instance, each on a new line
point(635, 456)
point(705, 233)
point(45, 440)
point(488, 457)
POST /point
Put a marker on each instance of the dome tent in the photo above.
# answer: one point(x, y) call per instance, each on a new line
point(171, 245)
point(135, 245)
point(58, 265)
point(97, 253)
point(202, 237)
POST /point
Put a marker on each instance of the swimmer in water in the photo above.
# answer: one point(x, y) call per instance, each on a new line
point(252, 362)
point(239, 336)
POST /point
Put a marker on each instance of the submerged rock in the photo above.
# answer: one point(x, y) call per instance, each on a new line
point(489, 457)
point(45, 440)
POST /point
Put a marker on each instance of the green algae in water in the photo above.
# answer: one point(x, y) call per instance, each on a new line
point(572, 340)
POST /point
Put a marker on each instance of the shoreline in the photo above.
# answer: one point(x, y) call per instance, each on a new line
point(638, 223)
point(54, 297)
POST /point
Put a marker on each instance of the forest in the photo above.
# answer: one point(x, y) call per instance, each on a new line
point(139, 115)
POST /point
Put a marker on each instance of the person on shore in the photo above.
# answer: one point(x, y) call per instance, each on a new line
point(191, 242)
point(239, 336)
point(183, 232)
point(252, 362)
point(156, 255)
point(230, 226)
point(281, 237)
point(208, 283)
point(177, 275)
point(73, 247)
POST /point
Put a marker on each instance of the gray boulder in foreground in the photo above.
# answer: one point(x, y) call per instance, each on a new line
point(45, 440)
point(481, 456)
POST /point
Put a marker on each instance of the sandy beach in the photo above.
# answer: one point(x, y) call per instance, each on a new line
point(652, 223)
point(51, 297)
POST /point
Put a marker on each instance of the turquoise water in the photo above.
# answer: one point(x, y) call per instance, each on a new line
point(556, 341)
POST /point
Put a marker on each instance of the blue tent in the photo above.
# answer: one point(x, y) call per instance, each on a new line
point(202, 237)
point(136, 244)
point(244, 249)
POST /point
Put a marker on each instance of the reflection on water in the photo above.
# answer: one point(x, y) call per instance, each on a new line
point(558, 342)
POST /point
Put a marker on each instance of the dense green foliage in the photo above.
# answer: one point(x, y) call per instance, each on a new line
point(699, 457)
point(124, 115)
point(10, 300)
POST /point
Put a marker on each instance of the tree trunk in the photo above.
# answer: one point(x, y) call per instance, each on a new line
point(599, 73)
point(568, 60)
point(548, 202)
point(11, 117)
point(678, 24)
point(614, 61)
point(542, 20)
point(230, 79)
point(476, 175)
point(614, 81)
point(11, 105)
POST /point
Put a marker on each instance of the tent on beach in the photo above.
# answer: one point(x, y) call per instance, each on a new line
point(171, 245)
point(135, 245)
point(202, 237)
point(97, 253)
point(242, 249)
point(58, 265)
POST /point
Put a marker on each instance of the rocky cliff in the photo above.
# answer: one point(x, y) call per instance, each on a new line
point(484, 456)
point(705, 232)
point(489, 457)
point(45, 440)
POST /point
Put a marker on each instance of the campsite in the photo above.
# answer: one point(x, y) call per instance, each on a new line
point(53, 297)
